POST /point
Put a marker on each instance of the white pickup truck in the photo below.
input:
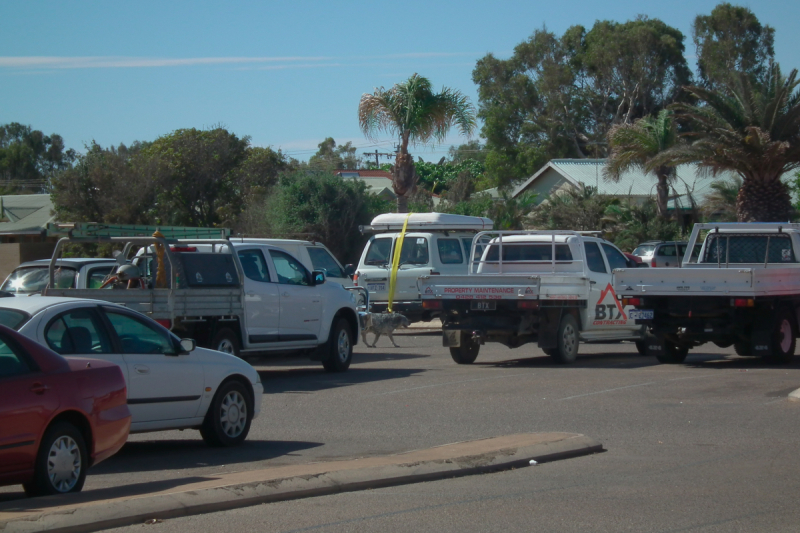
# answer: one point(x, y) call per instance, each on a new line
point(549, 287)
point(743, 290)
point(256, 300)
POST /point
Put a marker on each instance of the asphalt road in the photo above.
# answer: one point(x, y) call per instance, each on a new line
point(709, 445)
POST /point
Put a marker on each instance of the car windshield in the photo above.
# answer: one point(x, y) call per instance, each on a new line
point(11, 318)
point(644, 250)
point(35, 278)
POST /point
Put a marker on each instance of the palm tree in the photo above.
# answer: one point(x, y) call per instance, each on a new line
point(413, 112)
point(720, 204)
point(752, 129)
point(645, 145)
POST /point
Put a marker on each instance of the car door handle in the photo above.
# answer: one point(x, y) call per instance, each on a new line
point(39, 388)
point(141, 369)
point(593, 282)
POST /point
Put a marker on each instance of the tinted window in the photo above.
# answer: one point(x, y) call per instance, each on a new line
point(749, 249)
point(450, 251)
point(378, 253)
point(96, 276)
point(415, 251)
point(290, 270)
point(322, 260)
point(529, 252)
point(35, 279)
point(11, 364)
point(478, 248)
point(77, 332)
point(254, 265)
point(11, 318)
point(137, 336)
point(667, 250)
point(615, 258)
point(593, 258)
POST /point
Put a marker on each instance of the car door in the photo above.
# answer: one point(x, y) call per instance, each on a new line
point(415, 261)
point(620, 321)
point(300, 300)
point(601, 308)
point(161, 384)
point(261, 298)
point(27, 401)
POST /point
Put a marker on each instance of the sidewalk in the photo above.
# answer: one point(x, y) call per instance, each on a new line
point(103, 509)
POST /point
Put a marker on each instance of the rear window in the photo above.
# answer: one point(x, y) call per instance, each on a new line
point(450, 251)
point(35, 279)
point(668, 250)
point(528, 252)
point(644, 250)
point(748, 249)
point(322, 260)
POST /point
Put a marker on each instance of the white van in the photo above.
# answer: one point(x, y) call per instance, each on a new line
point(434, 243)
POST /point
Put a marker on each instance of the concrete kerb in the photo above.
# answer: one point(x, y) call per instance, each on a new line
point(795, 395)
point(89, 512)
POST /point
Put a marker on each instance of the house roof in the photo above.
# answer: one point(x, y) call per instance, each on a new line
point(589, 172)
point(27, 214)
point(377, 181)
point(360, 173)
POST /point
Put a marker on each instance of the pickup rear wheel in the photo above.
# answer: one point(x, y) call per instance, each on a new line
point(641, 347)
point(567, 349)
point(340, 347)
point(784, 337)
point(226, 341)
point(673, 354)
point(467, 352)
point(742, 348)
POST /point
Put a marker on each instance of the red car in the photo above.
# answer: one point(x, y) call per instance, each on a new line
point(58, 417)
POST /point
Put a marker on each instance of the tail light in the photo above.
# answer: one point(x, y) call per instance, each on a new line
point(528, 304)
point(355, 279)
point(653, 263)
point(431, 304)
point(743, 302)
point(631, 301)
point(182, 248)
point(166, 322)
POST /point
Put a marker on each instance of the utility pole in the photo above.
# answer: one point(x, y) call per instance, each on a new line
point(377, 154)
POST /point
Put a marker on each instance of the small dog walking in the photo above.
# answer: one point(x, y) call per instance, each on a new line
point(381, 323)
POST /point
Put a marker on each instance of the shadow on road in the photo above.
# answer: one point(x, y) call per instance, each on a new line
point(302, 380)
point(147, 456)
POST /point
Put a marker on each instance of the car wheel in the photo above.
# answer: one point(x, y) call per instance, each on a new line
point(783, 338)
point(340, 347)
point(226, 341)
point(61, 462)
point(742, 348)
point(673, 354)
point(467, 352)
point(227, 421)
point(568, 340)
point(641, 347)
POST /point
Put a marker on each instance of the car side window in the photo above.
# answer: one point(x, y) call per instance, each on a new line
point(378, 253)
point(137, 336)
point(594, 259)
point(668, 250)
point(254, 265)
point(11, 363)
point(615, 258)
point(414, 251)
point(450, 251)
point(322, 260)
point(96, 276)
point(79, 331)
point(290, 270)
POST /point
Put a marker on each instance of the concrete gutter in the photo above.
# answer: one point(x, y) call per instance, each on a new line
point(795, 395)
point(94, 510)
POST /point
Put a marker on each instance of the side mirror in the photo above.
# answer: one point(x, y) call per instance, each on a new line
point(187, 346)
point(349, 270)
point(318, 276)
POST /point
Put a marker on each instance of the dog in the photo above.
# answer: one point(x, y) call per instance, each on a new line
point(381, 323)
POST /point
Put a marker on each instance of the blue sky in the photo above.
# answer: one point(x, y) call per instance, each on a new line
point(288, 74)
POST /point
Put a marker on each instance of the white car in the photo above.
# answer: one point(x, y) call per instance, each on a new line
point(171, 383)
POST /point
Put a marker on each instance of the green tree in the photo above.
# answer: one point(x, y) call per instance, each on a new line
point(628, 223)
point(29, 158)
point(196, 175)
point(330, 157)
point(572, 208)
point(439, 177)
point(558, 96)
point(474, 150)
point(731, 40)
point(752, 129)
point(720, 204)
point(415, 114)
point(646, 145)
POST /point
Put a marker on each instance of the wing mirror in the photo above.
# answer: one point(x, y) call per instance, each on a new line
point(187, 346)
point(349, 270)
point(318, 276)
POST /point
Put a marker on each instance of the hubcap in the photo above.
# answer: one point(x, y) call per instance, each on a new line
point(226, 346)
point(786, 336)
point(64, 464)
point(233, 414)
point(569, 340)
point(343, 345)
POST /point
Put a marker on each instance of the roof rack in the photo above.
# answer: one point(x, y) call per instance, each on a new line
point(94, 230)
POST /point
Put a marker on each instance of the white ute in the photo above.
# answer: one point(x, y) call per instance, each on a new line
point(549, 287)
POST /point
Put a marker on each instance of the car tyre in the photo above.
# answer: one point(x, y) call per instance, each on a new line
point(467, 352)
point(61, 462)
point(641, 347)
point(568, 339)
point(784, 338)
point(226, 341)
point(339, 347)
point(742, 348)
point(673, 354)
point(228, 419)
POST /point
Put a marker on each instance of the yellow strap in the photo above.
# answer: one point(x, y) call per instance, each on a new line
point(398, 249)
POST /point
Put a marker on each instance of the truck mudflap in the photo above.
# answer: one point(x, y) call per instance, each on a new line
point(451, 338)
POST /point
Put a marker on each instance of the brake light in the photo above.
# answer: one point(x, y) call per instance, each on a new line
point(631, 301)
point(528, 304)
point(431, 304)
point(743, 302)
point(653, 263)
point(166, 322)
point(183, 248)
point(355, 279)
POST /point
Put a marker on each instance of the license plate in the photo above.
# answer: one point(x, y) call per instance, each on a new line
point(376, 287)
point(480, 305)
point(640, 314)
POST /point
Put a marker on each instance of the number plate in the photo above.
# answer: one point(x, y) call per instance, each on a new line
point(376, 287)
point(640, 314)
point(483, 305)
